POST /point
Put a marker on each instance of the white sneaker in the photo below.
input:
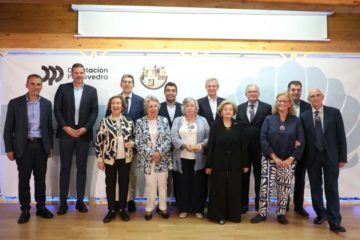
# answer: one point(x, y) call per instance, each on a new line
point(183, 215)
point(199, 215)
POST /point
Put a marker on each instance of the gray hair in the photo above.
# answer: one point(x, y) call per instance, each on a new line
point(188, 100)
point(210, 80)
point(150, 98)
point(251, 85)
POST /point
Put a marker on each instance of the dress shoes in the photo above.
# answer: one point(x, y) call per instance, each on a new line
point(81, 207)
point(109, 216)
point(124, 216)
point(244, 209)
point(282, 219)
point(222, 222)
point(164, 214)
point(336, 227)
point(148, 216)
point(62, 209)
point(301, 211)
point(131, 207)
point(258, 218)
point(44, 212)
point(24, 217)
point(319, 220)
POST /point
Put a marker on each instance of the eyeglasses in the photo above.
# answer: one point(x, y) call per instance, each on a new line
point(318, 95)
point(282, 101)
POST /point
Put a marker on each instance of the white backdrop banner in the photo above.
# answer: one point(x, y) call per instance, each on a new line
point(337, 77)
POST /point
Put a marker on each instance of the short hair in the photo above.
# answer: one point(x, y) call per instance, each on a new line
point(77, 65)
point(312, 90)
point(127, 76)
point(224, 103)
point(151, 98)
point(170, 84)
point(33, 75)
point(188, 100)
point(123, 102)
point(210, 80)
point(292, 110)
point(294, 82)
point(252, 85)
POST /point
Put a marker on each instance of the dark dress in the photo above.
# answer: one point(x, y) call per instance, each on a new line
point(226, 156)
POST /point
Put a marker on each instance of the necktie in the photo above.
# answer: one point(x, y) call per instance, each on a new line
point(252, 113)
point(127, 104)
point(318, 132)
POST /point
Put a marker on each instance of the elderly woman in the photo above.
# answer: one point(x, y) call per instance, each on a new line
point(189, 135)
point(153, 145)
point(114, 151)
point(282, 144)
point(226, 161)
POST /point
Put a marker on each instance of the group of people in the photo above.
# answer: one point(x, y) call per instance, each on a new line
point(205, 147)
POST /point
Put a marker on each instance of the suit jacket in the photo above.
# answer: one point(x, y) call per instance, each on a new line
point(64, 109)
point(227, 148)
point(136, 108)
point(16, 126)
point(252, 129)
point(304, 106)
point(144, 146)
point(334, 136)
point(205, 109)
point(164, 112)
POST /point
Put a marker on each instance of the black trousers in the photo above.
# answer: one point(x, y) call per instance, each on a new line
point(225, 195)
point(67, 148)
point(191, 188)
point(255, 163)
point(299, 187)
point(33, 160)
point(117, 173)
point(322, 167)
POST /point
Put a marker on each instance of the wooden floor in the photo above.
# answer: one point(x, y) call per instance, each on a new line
point(75, 225)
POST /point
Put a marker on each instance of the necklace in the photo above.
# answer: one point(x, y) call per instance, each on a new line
point(282, 125)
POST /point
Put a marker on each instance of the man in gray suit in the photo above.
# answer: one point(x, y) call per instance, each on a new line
point(76, 110)
point(28, 138)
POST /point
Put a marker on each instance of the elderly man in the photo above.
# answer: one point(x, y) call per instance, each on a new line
point(325, 153)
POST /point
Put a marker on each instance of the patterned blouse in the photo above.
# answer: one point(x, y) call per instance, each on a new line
point(106, 143)
point(144, 146)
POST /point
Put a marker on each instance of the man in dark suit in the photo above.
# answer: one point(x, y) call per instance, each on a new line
point(251, 115)
point(134, 110)
point(325, 153)
point(76, 110)
point(208, 105)
point(171, 109)
point(295, 89)
point(28, 138)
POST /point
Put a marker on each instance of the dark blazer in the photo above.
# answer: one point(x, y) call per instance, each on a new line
point(227, 148)
point(16, 126)
point(205, 109)
point(304, 106)
point(136, 108)
point(252, 130)
point(164, 112)
point(334, 136)
point(64, 109)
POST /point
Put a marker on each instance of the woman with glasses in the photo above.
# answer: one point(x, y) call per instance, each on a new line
point(282, 144)
point(189, 135)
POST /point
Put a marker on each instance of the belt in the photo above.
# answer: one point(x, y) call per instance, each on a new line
point(33, 139)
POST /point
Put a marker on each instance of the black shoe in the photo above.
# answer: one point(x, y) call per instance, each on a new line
point(319, 220)
point(44, 212)
point(24, 217)
point(62, 209)
point(258, 218)
point(336, 227)
point(109, 216)
point(124, 216)
point(131, 207)
point(222, 222)
point(164, 214)
point(301, 211)
point(81, 207)
point(244, 209)
point(282, 219)
point(148, 216)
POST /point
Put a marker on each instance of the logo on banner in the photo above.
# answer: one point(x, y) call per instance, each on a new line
point(154, 77)
point(52, 74)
